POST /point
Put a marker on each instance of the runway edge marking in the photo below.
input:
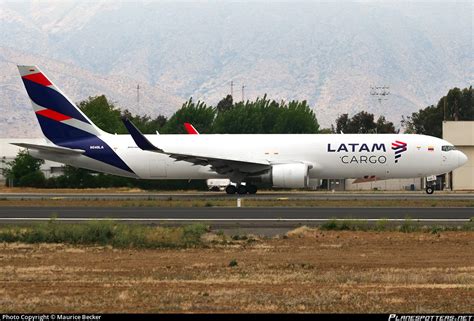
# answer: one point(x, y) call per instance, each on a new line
point(233, 220)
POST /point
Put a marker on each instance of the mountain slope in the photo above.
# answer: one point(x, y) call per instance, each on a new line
point(327, 53)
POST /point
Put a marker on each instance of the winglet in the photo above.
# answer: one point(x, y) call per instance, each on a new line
point(138, 137)
point(190, 129)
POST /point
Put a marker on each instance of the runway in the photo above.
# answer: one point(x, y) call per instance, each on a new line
point(222, 195)
point(255, 217)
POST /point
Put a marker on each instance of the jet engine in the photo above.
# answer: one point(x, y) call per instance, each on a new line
point(284, 176)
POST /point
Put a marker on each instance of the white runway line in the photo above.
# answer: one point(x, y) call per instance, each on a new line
point(232, 219)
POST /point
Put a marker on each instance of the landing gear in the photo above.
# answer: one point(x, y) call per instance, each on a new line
point(241, 189)
point(429, 190)
point(231, 189)
point(251, 189)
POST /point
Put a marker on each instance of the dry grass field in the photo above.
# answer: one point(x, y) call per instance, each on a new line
point(308, 270)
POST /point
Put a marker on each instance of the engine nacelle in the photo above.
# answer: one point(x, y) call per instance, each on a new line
point(284, 176)
point(290, 176)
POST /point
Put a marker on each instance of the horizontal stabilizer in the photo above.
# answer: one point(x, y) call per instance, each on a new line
point(50, 148)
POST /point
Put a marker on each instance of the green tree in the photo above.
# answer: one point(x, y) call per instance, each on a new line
point(103, 113)
point(456, 105)
point(107, 117)
point(198, 114)
point(427, 121)
point(225, 104)
point(383, 126)
point(296, 118)
point(146, 124)
point(24, 170)
point(266, 116)
point(363, 122)
point(327, 130)
point(342, 123)
point(77, 178)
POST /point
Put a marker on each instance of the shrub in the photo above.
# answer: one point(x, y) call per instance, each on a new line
point(330, 225)
point(105, 233)
point(233, 263)
point(408, 226)
point(381, 224)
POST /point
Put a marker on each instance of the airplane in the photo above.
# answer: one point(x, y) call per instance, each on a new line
point(248, 160)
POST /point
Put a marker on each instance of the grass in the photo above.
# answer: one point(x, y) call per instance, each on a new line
point(345, 225)
point(106, 233)
point(171, 202)
point(407, 226)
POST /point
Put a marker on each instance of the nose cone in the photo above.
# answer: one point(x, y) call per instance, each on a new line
point(462, 158)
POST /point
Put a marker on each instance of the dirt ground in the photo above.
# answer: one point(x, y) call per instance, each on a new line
point(307, 271)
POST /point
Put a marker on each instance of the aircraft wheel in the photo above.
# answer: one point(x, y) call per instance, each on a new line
point(231, 189)
point(252, 189)
point(242, 189)
point(429, 190)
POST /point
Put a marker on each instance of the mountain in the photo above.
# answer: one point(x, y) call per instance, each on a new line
point(330, 54)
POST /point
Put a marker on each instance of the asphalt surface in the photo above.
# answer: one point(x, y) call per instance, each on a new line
point(258, 217)
point(223, 195)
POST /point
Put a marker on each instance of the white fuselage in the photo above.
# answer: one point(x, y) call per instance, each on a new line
point(328, 155)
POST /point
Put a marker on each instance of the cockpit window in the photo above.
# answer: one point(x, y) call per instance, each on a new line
point(447, 148)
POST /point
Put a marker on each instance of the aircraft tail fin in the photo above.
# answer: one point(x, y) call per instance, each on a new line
point(60, 119)
point(190, 129)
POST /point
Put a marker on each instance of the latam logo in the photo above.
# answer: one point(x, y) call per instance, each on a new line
point(399, 147)
point(356, 148)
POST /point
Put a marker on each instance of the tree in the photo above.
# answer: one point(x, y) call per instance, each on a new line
point(426, 121)
point(296, 118)
point(108, 117)
point(24, 170)
point(146, 124)
point(363, 122)
point(198, 114)
point(342, 123)
point(384, 127)
point(456, 105)
point(225, 104)
point(266, 116)
point(104, 114)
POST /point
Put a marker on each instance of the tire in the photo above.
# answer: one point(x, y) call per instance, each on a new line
point(252, 189)
point(231, 189)
point(242, 189)
point(429, 190)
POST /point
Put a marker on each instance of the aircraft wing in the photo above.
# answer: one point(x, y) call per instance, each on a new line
point(221, 165)
point(50, 148)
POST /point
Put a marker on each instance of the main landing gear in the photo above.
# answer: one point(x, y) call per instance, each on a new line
point(429, 190)
point(241, 189)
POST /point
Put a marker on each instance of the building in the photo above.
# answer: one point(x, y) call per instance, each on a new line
point(8, 152)
point(461, 135)
point(395, 184)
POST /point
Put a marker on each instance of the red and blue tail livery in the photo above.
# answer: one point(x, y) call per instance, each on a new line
point(63, 123)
